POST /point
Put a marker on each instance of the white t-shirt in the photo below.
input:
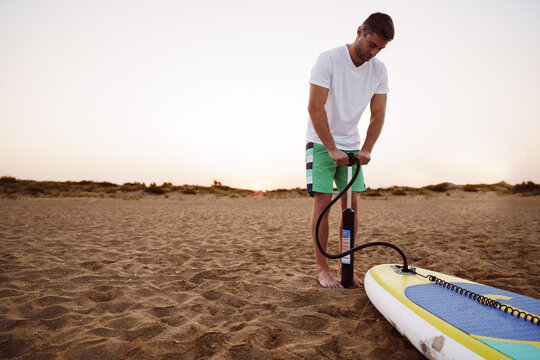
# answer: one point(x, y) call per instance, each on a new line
point(350, 91)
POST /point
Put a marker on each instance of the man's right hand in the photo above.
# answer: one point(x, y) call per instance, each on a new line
point(339, 157)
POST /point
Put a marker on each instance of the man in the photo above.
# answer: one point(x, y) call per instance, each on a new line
point(342, 83)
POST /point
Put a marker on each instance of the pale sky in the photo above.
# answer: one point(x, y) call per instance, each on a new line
point(194, 91)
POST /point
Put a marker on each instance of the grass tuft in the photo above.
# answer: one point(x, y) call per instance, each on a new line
point(154, 189)
point(442, 187)
point(526, 188)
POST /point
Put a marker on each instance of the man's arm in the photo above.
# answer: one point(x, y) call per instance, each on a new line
point(317, 99)
point(378, 112)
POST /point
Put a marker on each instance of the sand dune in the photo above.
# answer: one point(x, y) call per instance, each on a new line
point(201, 277)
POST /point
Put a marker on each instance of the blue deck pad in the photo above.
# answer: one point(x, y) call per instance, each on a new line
point(474, 318)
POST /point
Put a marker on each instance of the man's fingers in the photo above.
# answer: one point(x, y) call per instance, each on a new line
point(364, 157)
point(340, 158)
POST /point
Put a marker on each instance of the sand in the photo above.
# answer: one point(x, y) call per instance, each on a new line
point(200, 277)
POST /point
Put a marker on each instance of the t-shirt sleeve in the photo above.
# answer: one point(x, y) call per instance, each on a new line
point(321, 74)
point(383, 83)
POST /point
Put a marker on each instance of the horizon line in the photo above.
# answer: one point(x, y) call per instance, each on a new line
point(4, 179)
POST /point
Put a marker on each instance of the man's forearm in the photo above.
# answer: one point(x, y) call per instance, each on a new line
point(374, 130)
point(320, 124)
point(321, 127)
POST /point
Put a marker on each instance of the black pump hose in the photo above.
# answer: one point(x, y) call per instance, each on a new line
point(353, 159)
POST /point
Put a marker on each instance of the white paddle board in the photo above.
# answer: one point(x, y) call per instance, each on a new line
point(444, 324)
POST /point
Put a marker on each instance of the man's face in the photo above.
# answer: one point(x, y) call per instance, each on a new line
point(369, 46)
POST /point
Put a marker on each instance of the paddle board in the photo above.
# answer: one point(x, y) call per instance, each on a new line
point(444, 324)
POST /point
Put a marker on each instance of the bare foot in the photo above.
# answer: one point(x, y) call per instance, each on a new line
point(327, 281)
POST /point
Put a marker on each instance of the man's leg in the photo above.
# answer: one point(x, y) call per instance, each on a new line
point(320, 201)
point(354, 206)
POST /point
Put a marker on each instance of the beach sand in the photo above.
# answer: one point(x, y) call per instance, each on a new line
point(202, 277)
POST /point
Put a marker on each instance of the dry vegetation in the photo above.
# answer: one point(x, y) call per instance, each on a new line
point(11, 187)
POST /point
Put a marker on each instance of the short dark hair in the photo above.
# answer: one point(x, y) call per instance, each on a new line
point(381, 24)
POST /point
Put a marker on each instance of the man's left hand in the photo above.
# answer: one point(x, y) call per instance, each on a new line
point(364, 156)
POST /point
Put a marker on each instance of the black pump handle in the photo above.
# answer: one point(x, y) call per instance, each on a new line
point(352, 160)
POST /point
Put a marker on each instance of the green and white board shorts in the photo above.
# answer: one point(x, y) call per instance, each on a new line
point(322, 172)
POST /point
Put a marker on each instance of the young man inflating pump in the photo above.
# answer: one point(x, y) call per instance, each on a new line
point(343, 82)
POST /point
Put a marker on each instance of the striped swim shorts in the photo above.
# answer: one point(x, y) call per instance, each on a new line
point(322, 172)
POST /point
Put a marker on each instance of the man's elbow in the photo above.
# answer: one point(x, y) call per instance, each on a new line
point(316, 110)
point(377, 118)
point(313, 109)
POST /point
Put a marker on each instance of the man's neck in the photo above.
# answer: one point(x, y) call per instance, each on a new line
point(355, 59)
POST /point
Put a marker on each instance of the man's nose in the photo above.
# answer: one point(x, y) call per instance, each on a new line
point(374, 52)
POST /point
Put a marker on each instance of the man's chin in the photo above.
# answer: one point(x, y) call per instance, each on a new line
point(366, 58)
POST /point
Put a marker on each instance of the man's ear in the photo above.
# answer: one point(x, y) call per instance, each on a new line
point(360, 31)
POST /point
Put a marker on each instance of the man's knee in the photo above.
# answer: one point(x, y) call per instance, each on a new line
point(322, 198)
point(320, 201)
point(354, 201)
